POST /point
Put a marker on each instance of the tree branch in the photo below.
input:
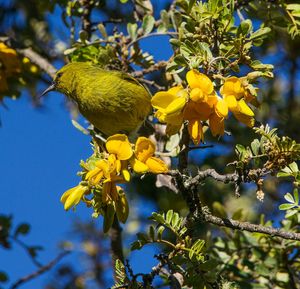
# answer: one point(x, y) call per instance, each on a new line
point(116, 245)
point(40, 271)
point(246, 226)
point(86, 17)
point(38, 60)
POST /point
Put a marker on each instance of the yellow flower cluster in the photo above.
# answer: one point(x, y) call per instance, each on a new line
point(199, 102)
point(103, 173)
point(9, 65)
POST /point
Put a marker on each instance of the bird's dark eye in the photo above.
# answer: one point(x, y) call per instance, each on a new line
point(59, 74)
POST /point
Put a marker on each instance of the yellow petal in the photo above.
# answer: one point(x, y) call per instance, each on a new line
point(126, 175)
point(138, 166)
point(102, 164)
point(245, 119)
point(232, 86)
point(73, 196)
point(144, 149)
point(203, 110)
point(196, 95)
point(195, 131)
point(212, 100)
point(196, 79)
point(176, 90)
point(97, 178)
point(221, 108)
point(160, 115)
point(174, 119)
point(92, 173)
point(175, 106)
point(119, 145)
point(67, 193)
point(231, 102)
point(216, 124)
point(244, 108)
point(156, 165)
point(162, 99)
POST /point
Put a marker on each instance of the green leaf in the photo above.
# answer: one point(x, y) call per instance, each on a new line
point(282, 174)
point(152, 233)
point(148, 24)
point(245, 27)
point(237, 215)
point(284, 207)
point(3, 277)
point(293, 167)
point(132, 30)
point(109, 214)
point(102, 30)
point(22, 229)
point(296, 196)
point(122, 208)
point(289, 198)
point(191, 4)
point(293, 7)
point(169, 216)
point(255, 146)
point(283, 276)
point(260, 33)
point(157, 218)
point(165, 18)
point(160, 232)
point(290, 213)
point(123, 1)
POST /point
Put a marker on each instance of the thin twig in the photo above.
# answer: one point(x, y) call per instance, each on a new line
point(38, 60)
point(151, 83)
point(40, 271)
point(155, 67)
point(184, 145)
point(27, 249)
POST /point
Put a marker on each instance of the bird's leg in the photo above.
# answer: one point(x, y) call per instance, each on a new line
point(98, 138)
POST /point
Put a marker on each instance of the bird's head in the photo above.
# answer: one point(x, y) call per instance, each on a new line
point(63, 79)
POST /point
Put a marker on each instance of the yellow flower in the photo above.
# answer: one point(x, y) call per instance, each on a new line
point(235, 95)
point(144, 160)
point(9, 65)
point(221, 108)
point(120, 150)
point(233, 86)
point(216, 124)
point(119, 145)
point(101, 170)
point(201, 82)
point(196, 131)
point(9, 60)
point(170, 105)
point(73, 196)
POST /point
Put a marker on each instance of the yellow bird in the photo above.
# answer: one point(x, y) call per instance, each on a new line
point(113, 101)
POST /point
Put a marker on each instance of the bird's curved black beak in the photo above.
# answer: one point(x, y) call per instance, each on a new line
point(50, 88)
